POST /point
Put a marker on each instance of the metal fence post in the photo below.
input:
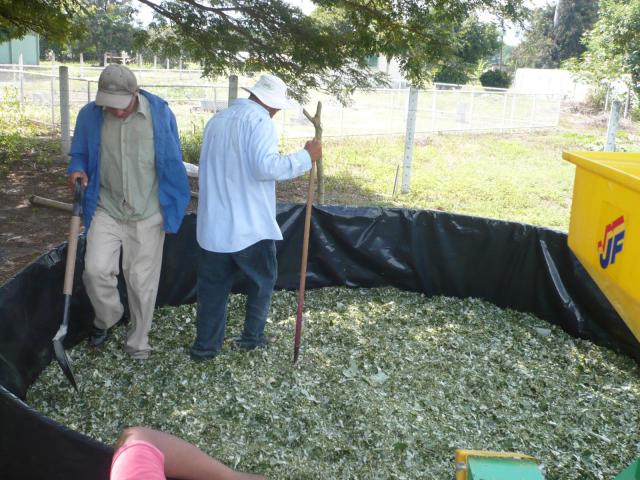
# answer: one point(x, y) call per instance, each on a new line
point(64, 110)
point(434, 110)
point(21, 77)
point(533, 110)
point(473, 95)
point(53, 108)
point(612, 128)
point(88, 91)
point(167, 64)
point(233, 88)
point(408, 139)
point(627, 103)
point(504, 110)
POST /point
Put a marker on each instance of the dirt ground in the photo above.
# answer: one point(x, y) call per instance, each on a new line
point(28, 231)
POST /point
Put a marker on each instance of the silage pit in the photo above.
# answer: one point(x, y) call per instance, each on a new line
point(388, 385)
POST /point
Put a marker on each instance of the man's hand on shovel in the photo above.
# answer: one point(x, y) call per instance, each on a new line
point(314, 147)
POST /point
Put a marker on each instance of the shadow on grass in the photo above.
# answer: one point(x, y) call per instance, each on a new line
point(342, 189)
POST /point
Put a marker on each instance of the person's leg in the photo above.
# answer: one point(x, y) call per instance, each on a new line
point(141, 265)
point(258, 263)
point(101, 270)
point(182, 459)
point(215, 277)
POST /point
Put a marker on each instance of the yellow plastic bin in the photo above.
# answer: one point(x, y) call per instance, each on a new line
point(604, 232)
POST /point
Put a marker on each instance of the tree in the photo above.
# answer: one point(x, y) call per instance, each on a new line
point(49, 18)
point(495, 79)
point(110, 27)
point(612, 45)
point(246, 37)
point(555, 34)
point(250, 36)
point(574, 19)
point(105, 25)
point(476, 41)
point(536, 49)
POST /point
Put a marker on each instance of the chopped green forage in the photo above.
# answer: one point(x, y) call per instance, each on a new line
point(388, 385)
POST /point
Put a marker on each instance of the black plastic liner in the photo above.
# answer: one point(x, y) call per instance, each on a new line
point(511, 265)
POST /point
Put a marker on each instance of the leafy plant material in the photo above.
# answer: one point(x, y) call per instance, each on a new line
point(388, 385)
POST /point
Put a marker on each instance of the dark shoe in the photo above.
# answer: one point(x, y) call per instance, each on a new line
point(264, 342)
point(98, 337)
point(200, 358)
point(199, 355)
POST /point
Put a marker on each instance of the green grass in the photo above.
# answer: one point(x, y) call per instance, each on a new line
point(514, 177)
point(21, 138)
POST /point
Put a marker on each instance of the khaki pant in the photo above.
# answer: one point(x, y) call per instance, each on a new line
point(141, 244)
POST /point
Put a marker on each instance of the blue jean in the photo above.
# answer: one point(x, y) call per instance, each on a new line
point(216, 272)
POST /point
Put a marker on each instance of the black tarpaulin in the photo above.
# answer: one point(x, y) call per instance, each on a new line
point(511, 265)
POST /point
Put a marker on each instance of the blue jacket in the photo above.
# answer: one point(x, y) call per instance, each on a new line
point(173, 185)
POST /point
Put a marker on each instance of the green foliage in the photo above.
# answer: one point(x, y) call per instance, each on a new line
point(575, 18)
point(536, 49)
point(612, 45)
point(476, 41)
point(191, 143)
point(495, 78)
point(108, 26)
point(546, 46)
point(50, 18)
point(158, 39)
point(19, 138)
point(327, 50)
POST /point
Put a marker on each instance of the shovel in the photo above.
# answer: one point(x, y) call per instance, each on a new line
point(305, 240)
point(72, 247)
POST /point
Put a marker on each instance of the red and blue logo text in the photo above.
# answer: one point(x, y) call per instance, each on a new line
point(611, 245)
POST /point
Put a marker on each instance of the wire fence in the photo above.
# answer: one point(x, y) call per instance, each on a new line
point(383, 112)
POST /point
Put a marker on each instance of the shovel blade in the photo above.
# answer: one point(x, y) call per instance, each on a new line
point(64, 362)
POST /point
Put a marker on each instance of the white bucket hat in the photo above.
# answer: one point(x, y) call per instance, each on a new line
point(272, 91)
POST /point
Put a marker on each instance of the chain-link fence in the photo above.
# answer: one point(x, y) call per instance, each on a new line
point(441, 108)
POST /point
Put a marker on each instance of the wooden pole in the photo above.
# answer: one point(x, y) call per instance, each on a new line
point(46, 202)
point(305, 239)
point(65, 134)
point(612, 128)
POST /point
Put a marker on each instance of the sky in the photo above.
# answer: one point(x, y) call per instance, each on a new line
point(512, 36)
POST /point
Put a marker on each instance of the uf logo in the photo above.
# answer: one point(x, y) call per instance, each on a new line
point(611, 245)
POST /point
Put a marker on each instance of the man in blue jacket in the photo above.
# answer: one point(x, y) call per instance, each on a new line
point(126, 150)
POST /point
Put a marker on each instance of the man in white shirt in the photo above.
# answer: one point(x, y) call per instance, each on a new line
point(237, 228)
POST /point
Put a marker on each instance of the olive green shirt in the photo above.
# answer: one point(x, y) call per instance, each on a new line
point(128, 180)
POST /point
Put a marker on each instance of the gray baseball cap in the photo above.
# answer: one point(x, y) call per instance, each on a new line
point(116, 86)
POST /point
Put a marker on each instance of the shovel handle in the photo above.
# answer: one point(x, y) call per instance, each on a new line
point(72, 248)
point(74, 231)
